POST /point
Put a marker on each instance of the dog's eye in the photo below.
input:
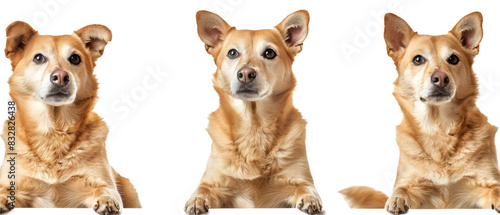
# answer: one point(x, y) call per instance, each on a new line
point(232, 54)
point(418, 60)
point(39, 59)
point(269, 54)
point(74, 59)
point(453, 59)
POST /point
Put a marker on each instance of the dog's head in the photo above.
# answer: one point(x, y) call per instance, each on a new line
point(55, 70)
point(252, 65)
point(435, 69)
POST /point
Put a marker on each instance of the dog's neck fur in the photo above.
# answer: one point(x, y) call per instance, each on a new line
point(266, 114)
point(43, 126)
point(443, 118)
point(446, 126)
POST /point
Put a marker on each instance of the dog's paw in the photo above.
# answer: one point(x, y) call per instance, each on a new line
point(495, 199)
point(106, 205)
point(309, 204)
point(4, 204)
point(397, 204)
point(197, 205)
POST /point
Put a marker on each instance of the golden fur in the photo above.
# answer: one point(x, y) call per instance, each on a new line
point(61, 154)
point(447, 151)
point(258, 156)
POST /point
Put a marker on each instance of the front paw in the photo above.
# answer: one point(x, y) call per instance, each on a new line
point(310, 204)
point(4, 204)
point(397, 204)
point(106, 205)
point(197, 205)
point(495, 200)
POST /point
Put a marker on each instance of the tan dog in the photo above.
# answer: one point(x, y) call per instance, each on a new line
point(258, 154)
point(447, 151)
point(60, 142)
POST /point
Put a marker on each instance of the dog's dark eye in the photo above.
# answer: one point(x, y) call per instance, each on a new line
point(232, 54)
point(418, 60)
point(269, 54)
point(39, 59)
point(74, 59)
point(453, 59)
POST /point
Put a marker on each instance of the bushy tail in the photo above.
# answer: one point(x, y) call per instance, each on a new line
point(364, 197)
point(127, 191)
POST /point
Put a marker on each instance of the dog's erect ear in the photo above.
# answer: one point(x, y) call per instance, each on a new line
point(469, 31)
point(95, 38)
point(294, 29)
point(397, 35)
point(18, 35)
point(212, 30)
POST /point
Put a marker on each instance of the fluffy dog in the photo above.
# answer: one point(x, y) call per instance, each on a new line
point(447, 151)
point(258, 156)
point(60, 143)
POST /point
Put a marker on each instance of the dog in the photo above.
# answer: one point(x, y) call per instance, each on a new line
point(258, 156)
point(60, 143)
point(447, 149)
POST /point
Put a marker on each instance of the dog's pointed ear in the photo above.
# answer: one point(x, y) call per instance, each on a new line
point(18, 35)
point(469, 31)
point(212, 30)
point(397, 35)
point(294, 29)
point(95, 38)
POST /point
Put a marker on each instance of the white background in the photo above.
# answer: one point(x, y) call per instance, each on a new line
point(160, 142)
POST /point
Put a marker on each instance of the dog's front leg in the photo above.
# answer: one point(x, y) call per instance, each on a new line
point(290, 190)
point(4, 201)
point(418, 194)
point(107, 201)
point(489, 197)
point(399, 202)
point(215, 195)
point(306, 199)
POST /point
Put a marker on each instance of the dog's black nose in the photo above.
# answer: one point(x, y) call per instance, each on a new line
point(246, 75)
point(59, 78)
point(440, 79)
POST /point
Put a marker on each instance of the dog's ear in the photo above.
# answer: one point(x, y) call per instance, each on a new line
point(18, 35)
point(95, 38)
point(212, 30)
point(397, 35)
point(294, 29)
point(469, 31)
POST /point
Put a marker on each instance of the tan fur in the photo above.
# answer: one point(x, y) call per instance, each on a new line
point(364, 197)
point(61, 154)
point(447, 150)
point(258, 156)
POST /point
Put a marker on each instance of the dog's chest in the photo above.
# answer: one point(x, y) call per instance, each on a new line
point(52, 172)
point(447, 159)
point(49, 162)
point(255, 144)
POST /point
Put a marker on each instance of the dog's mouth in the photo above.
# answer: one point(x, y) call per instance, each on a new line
point(437, 95)
point(58, 96)
point(59, 91)
point(247, 91)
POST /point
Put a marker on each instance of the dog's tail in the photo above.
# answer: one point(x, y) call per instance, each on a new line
point(364, 197)
point(127, 191)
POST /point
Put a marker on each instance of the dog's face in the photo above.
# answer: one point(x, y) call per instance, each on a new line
point(55, 70)
point(434, 69)
point(252, 65)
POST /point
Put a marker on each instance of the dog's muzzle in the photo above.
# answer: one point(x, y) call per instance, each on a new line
point(441, 89)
